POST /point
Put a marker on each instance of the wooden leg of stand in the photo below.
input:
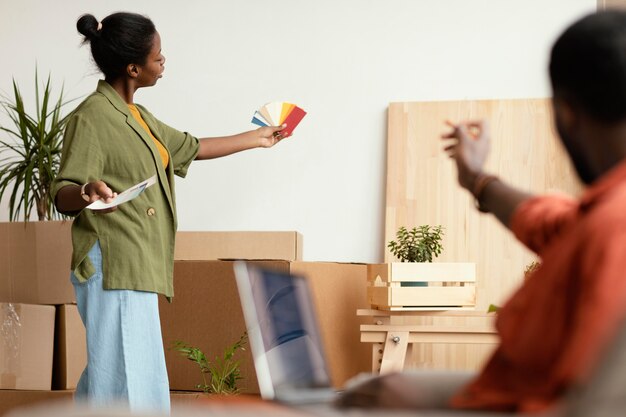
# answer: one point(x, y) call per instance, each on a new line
point(408, 358)
point(394, 352)
point(377, 357)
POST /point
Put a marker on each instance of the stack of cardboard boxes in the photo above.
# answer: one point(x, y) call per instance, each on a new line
point(42, 348)
point(206, 312)
point(42, 340)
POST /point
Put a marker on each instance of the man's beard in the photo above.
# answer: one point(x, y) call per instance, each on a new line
point(581, 164)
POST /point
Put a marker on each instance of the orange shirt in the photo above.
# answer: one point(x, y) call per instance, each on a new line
point(165, 158)
point(555, 327)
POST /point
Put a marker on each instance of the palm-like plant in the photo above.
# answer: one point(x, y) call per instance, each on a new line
point(30, 159)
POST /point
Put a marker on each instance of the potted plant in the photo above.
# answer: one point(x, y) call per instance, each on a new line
point(38, 254)
point(416, 282)
point(420, 244)
point(219, 376)
point(30, 161)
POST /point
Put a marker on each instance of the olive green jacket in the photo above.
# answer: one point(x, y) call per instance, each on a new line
point(104, 142)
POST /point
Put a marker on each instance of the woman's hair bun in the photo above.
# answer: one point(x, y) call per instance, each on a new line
point(87, 25)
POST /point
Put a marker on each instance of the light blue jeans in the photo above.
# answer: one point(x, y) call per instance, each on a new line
point(125, 359)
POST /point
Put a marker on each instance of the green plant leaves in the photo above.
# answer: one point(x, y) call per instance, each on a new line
point(30, 159)
point(493, 308)
point(224, 372)
point(420, 244)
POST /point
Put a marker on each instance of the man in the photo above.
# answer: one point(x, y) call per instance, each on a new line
point(556, 327)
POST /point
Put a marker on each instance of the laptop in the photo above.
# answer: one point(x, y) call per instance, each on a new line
point(284, 336)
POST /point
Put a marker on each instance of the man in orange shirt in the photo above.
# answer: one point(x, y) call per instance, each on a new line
point(556, 327)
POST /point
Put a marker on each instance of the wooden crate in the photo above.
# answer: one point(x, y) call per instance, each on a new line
point(440, 286)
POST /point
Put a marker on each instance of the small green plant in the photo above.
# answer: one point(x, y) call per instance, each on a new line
point(223, 373)
point(420, 244)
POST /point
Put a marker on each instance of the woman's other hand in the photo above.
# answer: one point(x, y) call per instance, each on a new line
point(99, 190)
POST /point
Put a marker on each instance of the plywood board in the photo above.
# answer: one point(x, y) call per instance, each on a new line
point(450, 356)
point(422, 186)
point(611, 4)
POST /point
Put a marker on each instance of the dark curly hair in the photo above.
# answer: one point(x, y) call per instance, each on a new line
point(122, 39)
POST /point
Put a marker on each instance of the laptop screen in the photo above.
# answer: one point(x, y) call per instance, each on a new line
point(287, 327)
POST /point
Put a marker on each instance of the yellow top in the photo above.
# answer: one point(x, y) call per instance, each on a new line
point(162, 151)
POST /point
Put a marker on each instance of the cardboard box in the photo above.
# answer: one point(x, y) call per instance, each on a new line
point(338, 292)
point(206, 313)
point(12, 399)
point(70, 348)
point(26, 344)
point(196, 246)
point(35, 260)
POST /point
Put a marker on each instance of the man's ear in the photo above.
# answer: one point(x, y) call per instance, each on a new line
point(565, 113)
point(132, 70)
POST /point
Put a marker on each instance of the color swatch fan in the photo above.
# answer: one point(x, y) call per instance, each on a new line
point(277, 113)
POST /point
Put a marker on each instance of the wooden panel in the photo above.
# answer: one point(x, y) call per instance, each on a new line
point(433, 337)
point(422, 187)
point(379, 296)
point(421, 328)
point(461, 318)
point(453, 357)
point(433, 296)
point(611, 4)
point(422, 298)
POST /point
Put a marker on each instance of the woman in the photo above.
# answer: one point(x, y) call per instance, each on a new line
point(123, 258)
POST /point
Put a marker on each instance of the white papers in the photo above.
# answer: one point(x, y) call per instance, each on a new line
point(124, 196)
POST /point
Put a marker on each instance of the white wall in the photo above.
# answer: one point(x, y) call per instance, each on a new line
point(341, 60)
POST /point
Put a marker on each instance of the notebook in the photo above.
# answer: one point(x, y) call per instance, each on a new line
point(284, 336)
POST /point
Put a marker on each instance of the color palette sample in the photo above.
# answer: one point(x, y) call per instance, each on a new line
point(278, 113)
